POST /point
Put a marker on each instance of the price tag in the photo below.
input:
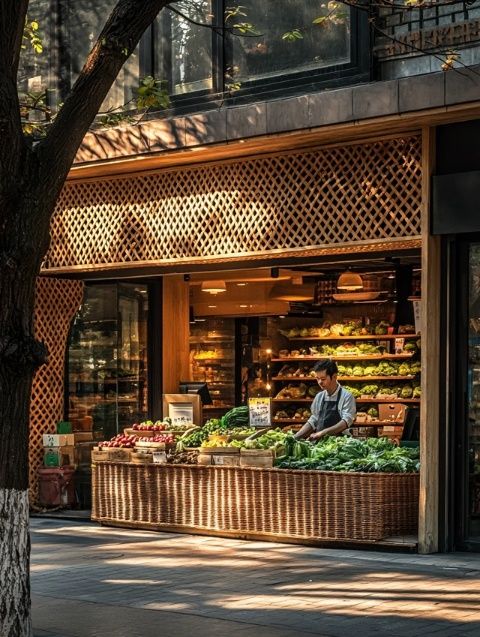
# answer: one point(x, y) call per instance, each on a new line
point(259, 411)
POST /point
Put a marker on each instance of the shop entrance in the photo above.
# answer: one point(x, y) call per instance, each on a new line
point(259, 333)
point(465, 361)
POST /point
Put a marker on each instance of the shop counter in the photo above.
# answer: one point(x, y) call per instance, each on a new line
point(275, 504)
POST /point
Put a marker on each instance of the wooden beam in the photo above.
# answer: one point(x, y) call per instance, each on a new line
point(175, 333)
point(430, 353)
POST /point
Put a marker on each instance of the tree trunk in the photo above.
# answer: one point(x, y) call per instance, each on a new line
point(22, 244)
point(14, 564)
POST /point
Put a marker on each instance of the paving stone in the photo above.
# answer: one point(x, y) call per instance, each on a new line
point(220, 587)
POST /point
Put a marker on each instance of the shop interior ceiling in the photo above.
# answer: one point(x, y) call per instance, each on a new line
point(278, 290)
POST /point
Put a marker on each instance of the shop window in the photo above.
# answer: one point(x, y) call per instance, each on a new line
point(107, 360)
point(271, 53)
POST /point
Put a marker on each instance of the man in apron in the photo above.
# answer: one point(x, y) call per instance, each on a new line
point(333, 409)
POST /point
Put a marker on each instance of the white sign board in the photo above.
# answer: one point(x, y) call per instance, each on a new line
point(181, 413)
point(417, 313)
point(259, 411)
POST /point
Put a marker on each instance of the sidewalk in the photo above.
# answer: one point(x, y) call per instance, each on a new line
point(93, 581)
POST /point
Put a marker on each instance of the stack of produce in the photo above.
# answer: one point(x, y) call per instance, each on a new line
point(343, 453)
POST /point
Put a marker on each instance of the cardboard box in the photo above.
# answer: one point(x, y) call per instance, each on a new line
point(58, 440)
point(392, 412)
point(59, 456)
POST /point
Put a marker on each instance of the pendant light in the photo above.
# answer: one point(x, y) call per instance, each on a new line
point(349, 281)
point(213, 287)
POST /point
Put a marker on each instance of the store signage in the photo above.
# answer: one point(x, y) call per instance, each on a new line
point(260, 412)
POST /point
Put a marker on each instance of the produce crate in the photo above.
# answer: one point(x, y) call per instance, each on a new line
point(111, 454)
point(227, 456)
point(256, 458)
point(271, 503)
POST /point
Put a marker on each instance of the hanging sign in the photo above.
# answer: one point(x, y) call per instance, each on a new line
point(259, 411)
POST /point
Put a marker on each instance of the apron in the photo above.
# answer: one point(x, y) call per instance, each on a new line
point(329, 414)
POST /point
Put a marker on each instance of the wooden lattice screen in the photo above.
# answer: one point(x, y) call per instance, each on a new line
point(56, 303)
point(326, 197)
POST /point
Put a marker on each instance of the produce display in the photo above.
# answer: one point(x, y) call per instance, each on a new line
point(234, 422)
point(302, 413)
point(128, 441)
point(349, 328)
point(385, 391)
point(236, 417)
point(343, 453)
point(161, 425)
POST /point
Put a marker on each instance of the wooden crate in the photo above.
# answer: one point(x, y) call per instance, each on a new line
point(256, 458)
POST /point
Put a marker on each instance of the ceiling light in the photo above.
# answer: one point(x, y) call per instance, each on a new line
point(350, 281)
point(212, 306)
point(241, 285)
point(213, 287)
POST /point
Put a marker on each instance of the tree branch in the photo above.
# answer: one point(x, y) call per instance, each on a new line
point(118, 39)
point(12, 21)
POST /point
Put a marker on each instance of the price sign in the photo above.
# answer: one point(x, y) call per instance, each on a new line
point(181, 413)
point(259, 411)
point(417, 313)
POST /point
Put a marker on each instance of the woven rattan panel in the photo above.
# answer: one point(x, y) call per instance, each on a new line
point(349, 194)
point(56, 303)
point(282, 503)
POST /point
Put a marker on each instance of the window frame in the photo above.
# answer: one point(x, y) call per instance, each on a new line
point(358, 69)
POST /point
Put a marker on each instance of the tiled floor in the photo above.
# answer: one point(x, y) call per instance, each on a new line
point(92, 581)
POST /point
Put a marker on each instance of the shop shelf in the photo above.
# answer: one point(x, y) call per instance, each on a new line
point(354, 378)
point(347, 357)
point(363, 337)
point(358, 400)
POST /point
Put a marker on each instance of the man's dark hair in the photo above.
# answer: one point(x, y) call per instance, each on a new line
point(326, 365)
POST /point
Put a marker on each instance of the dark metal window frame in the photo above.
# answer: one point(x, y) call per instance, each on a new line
point(456, 457)
point(281, 85)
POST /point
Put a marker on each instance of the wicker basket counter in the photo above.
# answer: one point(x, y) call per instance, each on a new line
point(243, 502)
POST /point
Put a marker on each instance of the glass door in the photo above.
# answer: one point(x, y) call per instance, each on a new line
point(472, 526)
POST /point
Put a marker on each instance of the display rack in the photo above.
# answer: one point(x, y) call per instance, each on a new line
point(212, 360)
point(299, 404)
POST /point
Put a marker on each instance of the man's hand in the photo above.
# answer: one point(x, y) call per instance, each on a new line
point(316, 436)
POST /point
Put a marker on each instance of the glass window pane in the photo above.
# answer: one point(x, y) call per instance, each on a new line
point(107, 360)
point(473, 522)
point(82, 22)
point(269, 54)
point(35, 73)
point(185, 49)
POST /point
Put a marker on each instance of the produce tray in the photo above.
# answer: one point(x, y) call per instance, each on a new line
point(143, 444)
point(219, 450)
